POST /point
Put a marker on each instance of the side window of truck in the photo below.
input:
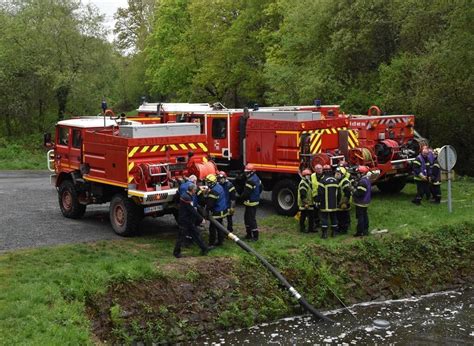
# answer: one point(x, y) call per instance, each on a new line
point(63, 136)
point(76, 139)
point(219, 128)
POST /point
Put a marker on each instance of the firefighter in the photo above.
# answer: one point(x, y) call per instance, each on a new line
point(306, 202)
point(328, 194)
point(362, 197)
point(344, 208)
point(216, 205)
point(435, 177)
point(187, 220)
point(251, 198)
point(315, 178)
point(229, 190)
point(421, 170)
point(183, 188)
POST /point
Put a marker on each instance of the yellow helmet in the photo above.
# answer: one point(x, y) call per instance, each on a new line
point(211, 178)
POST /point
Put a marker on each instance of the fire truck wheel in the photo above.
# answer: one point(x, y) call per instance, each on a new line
point(125, 215)
point(285, 197)
point(392, 186)
point(69, 201)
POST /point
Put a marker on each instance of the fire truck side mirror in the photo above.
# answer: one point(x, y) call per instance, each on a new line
point(47, 140)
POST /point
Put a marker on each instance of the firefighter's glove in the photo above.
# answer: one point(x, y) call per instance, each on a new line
point(343, 206)
point(231, 211)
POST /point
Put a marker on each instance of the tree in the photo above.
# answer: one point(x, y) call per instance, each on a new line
point(55, 52)
point(134, 24)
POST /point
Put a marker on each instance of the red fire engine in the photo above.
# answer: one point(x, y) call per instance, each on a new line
point(134, 166)
point(280, 141)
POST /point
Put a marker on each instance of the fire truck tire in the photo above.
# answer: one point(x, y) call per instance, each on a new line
point(285, 197)
point(392, 186)
point(125, 215)
point(69, 201)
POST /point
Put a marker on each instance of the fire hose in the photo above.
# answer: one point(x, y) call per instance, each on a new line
point(301, 300)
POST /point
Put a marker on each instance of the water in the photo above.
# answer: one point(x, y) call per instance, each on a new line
point(439, 318)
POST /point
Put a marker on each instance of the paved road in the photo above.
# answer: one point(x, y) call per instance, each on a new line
point(30, 215)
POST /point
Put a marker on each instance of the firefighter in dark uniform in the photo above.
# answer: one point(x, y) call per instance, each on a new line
point(344, 208)
point(315, 178)
point(421, 170)
point(183, 188)
point(251, 198)
point(328, 195)
point(306, 202)
point(229, 191)
point(435, 177)
point(187, 220)
point(216, 205)
point(362, 197)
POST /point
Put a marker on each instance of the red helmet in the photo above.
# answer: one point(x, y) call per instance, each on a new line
point(326, 168)
point(222, 174)
point(249, 168)
point(306, 172)
point(363, 169)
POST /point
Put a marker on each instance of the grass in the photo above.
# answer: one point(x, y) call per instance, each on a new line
point(44, 292)
point(26, 153)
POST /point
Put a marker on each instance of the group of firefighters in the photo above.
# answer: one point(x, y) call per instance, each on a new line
point(325, 196)
point(324, 199)
point(216, 198)
point(427, 175)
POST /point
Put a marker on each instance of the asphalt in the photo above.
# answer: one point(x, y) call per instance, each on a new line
point(30, 215)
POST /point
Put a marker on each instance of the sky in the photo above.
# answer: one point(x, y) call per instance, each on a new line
point(108, 7)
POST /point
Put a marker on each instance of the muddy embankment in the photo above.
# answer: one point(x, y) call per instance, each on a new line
point(195, 296)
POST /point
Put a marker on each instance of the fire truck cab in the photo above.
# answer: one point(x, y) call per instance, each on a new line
point(136, 167)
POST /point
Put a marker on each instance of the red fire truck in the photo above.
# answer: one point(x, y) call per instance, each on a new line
point(132, 165)
point(280, 141)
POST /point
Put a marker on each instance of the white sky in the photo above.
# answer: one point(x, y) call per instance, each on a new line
point(108, 7)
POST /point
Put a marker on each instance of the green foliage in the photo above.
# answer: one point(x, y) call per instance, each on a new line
point(54, 61)
point(408, 56)
point(24, 153)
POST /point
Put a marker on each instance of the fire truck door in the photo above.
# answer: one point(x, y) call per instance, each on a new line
point(219, 139)
point(75, 157)
point(63, 136)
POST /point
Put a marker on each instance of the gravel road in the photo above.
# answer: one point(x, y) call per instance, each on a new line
point(30, 215)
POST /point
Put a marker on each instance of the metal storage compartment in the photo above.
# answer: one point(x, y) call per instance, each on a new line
point(286, 115)
point(160, 130)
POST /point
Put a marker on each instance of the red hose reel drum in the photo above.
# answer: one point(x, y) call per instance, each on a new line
point(387, 150)
point(201, 169)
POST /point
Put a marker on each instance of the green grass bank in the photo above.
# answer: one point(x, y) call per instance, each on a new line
point(22, 153)
point(133, 289)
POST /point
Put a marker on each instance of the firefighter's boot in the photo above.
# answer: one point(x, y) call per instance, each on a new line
point(324, 232)
point(255, 234)
point(249, 234)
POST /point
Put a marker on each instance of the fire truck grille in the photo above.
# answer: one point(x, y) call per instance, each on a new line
point(156, 197)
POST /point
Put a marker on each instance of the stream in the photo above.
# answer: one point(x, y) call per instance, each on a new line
point(439, 318)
